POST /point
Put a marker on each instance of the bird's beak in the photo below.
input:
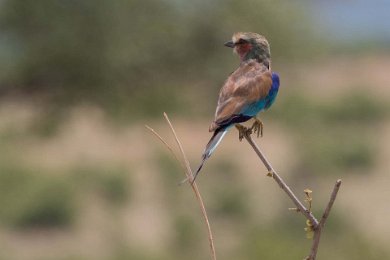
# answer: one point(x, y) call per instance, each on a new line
point(229, 44)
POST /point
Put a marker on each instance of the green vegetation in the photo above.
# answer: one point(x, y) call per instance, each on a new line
point(229, 203)
point(187, 231)
point(296, 110)
point(333, 136)
point(171, 170)
point(112, 184)
point(31, 199)
point(280, 243)
point(338, 152)
point(132, 58)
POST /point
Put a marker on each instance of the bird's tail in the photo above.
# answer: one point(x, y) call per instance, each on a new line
point(210, 147)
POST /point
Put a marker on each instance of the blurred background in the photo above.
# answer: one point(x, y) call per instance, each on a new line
point(81, 178)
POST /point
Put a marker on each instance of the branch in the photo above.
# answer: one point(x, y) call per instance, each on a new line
point(187, 170)
point(316, 226)
point(271, 172)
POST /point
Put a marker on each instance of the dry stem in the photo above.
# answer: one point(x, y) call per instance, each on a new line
point(187, 170)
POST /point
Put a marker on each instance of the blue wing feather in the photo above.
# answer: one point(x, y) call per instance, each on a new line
point(265, 103)
point(270, 99)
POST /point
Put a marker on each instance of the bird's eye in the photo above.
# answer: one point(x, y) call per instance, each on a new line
point(241, 41)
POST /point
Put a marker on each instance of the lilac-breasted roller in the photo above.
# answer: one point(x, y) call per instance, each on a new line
point(251, 88)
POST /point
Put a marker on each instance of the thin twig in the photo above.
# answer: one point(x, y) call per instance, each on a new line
point(317, 232)
point(281, 182)
point(186, 163)
point(187, 169)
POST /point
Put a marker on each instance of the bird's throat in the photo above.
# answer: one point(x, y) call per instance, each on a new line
point(243, 50)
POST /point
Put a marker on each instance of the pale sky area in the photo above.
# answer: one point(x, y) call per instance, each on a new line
point(354, 19)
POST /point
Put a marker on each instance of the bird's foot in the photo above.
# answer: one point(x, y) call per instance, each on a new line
point(242, 131)
point(257, 127)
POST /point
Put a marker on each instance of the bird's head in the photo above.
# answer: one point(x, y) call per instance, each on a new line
point(250, 45)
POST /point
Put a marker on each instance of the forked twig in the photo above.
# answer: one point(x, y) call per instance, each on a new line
point(317, 232)
point(168, 146)
point(317, 226)
point(187, 170)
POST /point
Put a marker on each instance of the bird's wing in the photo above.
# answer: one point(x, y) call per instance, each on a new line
point(251, 82)
point(273, 92)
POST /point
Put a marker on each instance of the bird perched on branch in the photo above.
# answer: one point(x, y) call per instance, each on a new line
point(251, 88)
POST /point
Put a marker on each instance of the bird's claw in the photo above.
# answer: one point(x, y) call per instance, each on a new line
point(242, 131)
point(257, 127)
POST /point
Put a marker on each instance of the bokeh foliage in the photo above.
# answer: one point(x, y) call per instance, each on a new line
point(133, 57)
point(30, 198)
point(333, 136)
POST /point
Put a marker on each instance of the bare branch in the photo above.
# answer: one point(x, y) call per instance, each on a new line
point(187, 170)
point(281, 182)
point(331, 201)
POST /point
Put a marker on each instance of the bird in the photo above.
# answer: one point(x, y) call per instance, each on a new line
point(251, 88)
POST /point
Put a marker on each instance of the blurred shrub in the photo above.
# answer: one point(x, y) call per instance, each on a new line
point(170, 169)
point(334, 136)
point(229, 197)
point(230, 202)
point(31, 199)
point(114, 187)
point(133, 56)
point(110, 183)
point(186, 233)
point(298, 111)
point(226, 168)
point(337, 152)
point(285, 240)
point(266, 244)
point(139, 254)
point(61, 45)
point(357, 107)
